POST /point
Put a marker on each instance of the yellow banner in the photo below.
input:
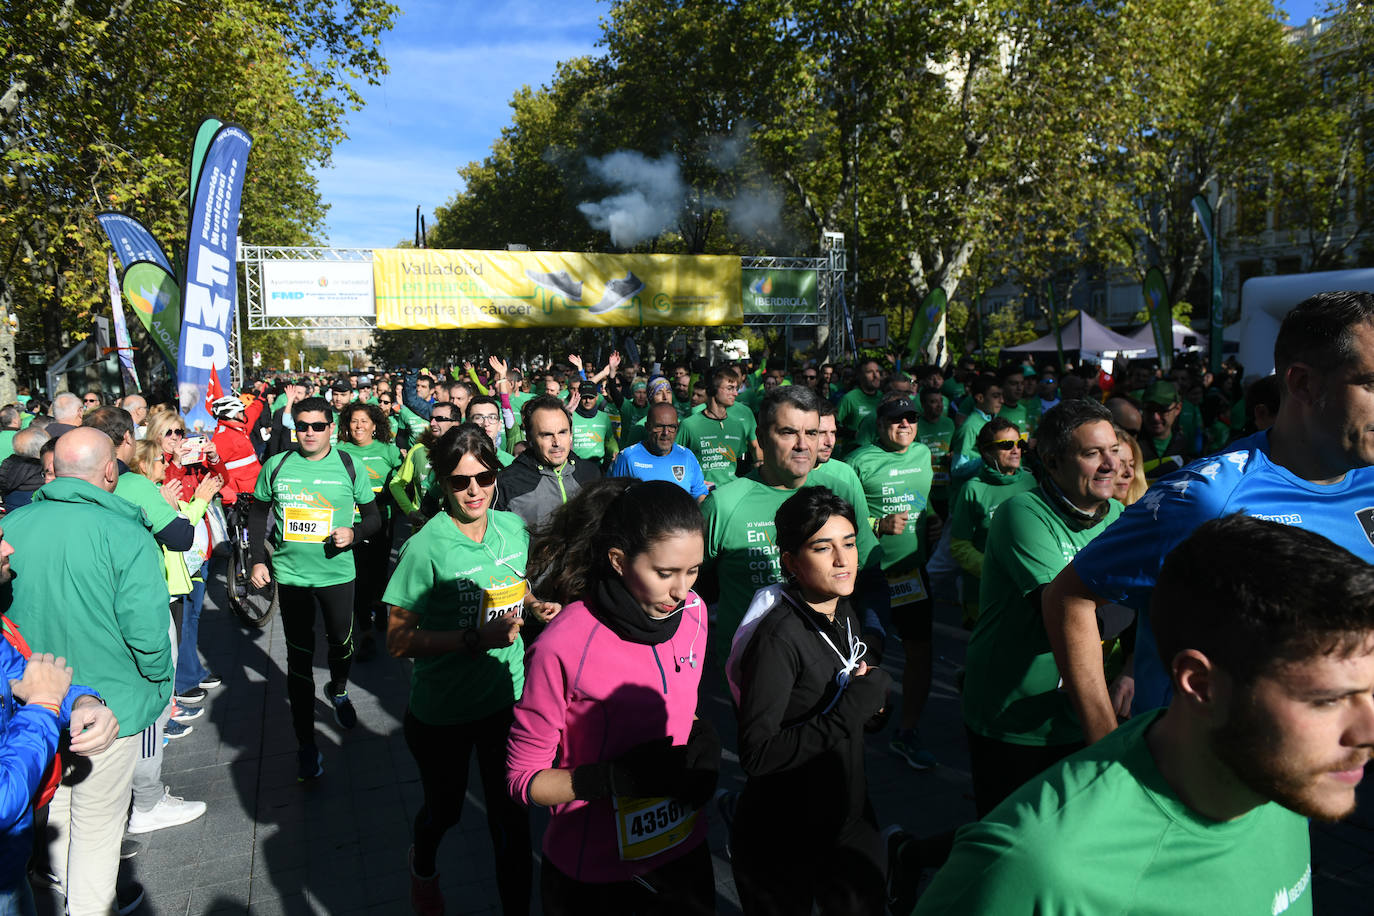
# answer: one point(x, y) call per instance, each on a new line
point(434, 288)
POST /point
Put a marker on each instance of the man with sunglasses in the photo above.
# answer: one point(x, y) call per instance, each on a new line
point(659, 457)
point(970, 516)
point(896, 474)
point(311, 493)
point(1164, 448)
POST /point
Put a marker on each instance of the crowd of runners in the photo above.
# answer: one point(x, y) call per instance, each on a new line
point(1164, 576)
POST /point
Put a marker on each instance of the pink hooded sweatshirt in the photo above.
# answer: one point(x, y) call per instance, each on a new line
point(589, 697)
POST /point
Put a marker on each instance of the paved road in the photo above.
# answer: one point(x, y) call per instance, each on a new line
point(269, 846)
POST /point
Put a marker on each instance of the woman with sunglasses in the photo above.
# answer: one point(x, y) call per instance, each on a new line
point(606, 735)
point(804, 832)
point(189, 468)
point(416, 478)
point(970, 515)
point(366, 437)
point(458, 599)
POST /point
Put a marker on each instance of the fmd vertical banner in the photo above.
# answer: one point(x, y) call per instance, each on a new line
point(209, 296)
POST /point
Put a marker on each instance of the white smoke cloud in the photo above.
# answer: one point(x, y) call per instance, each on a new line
point(651, 196)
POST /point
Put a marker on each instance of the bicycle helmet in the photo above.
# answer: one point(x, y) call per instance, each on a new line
point(227, 407)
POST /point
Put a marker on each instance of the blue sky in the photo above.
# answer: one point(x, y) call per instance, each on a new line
point(454, 68)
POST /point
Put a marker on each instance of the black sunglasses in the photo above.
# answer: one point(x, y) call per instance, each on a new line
point(439, 419)
point(1006, 445)
point(318, 426)
point(461, 481)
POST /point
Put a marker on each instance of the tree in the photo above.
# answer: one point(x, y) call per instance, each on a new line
point(98, 111)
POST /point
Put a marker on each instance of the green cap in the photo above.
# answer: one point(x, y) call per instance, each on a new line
point(1161, 393)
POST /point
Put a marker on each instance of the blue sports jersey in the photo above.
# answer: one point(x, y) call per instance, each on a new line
point(679, 466)
point(1122, 565)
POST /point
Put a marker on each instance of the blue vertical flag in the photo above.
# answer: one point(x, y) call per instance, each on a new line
point(209, 294)
point(1207, 219)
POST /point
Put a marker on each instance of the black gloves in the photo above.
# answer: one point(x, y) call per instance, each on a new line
point(647, 770)
point(657, 768)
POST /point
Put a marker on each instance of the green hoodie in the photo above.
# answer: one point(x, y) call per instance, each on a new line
point(89, 586)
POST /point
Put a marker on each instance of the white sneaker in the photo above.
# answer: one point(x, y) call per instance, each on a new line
point(169, 811)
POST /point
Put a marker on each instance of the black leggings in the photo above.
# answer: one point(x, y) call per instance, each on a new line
point(785, 872)
point(684, 887)
point(372, 557)
point(298, 604)
point(443, 754)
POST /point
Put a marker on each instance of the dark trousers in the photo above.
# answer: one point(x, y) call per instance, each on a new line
point(842, 875)
point(683, 887)
point(999, 769)
point(298, 608)
point(443, 753)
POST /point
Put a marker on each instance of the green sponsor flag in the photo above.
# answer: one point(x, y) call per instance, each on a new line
point(1207, 219)
point(1161, 314)
point(156, 298)
point(204, 134)
point(779, 292)
point(926, 343)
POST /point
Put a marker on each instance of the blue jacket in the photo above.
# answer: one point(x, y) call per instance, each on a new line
point(28, 740)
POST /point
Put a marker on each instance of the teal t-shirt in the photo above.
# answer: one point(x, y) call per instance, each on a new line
point(718, 444)
point(972, 511)
point(1011, 681)
point(896, 482)
point(850, 413)
point(310, 499)
point(452, 582)
point(1103, 832)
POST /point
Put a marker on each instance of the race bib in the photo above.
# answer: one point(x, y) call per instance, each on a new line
point(293, 436)
point(649, 826)
point(907, 589)
point(497, 602)
point(305, 525)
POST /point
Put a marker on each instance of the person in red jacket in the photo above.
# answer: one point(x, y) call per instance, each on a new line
point(234, 448)
point(185, 465)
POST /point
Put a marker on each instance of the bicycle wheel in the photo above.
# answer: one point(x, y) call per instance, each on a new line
point(252, 605)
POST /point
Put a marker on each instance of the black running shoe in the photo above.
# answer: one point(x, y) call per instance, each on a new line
point(309, 763)
point(344, 713)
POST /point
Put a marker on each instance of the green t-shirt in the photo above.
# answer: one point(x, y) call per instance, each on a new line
point(591, 436)
point(504, 457)
point(682, 406)
point(853, 408)
point(7, 442)
point(309, 500)
point(742, 541)
point(971, 513)
point(739, 412)
point(630, 414)
point(1011, 682)
point(443, 577)
point(1150, 854)
point(937, 435)
point(1019, 414)
point(718, 445)
point(896, 482)
point(380, 459)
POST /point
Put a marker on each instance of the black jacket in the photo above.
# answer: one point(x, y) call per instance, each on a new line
point(805, 764)
point(19, 473)
point(532, 490)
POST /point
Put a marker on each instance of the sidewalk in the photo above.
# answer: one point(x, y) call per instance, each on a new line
point(268, 845)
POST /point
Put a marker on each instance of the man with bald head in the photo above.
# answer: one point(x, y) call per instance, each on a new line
point(88, 585)
point(137, 406)
point(1125, 414)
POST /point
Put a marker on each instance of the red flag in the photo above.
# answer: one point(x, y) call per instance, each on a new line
point(213, 392)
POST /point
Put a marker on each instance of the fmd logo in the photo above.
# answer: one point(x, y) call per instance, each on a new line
point(277, 295)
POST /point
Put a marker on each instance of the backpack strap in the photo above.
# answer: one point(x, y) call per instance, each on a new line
point(343, 457)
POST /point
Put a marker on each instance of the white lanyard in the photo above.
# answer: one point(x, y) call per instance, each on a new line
point(857, 649)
